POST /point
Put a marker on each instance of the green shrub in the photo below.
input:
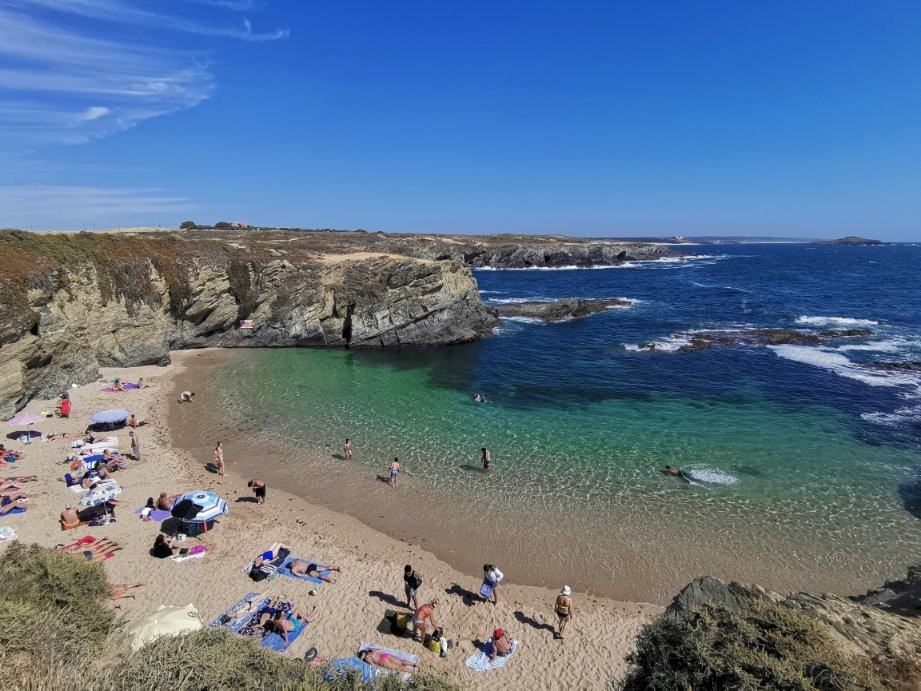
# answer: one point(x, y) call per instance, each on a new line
point(57, 631)
point(711, 648)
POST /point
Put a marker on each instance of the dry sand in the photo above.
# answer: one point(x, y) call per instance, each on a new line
point(350, 610)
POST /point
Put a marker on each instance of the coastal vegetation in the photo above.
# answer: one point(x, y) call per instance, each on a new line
point(730, 645)
point(57, 630)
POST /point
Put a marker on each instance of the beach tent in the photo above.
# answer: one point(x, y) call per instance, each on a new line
point(200, 506)
point(110, 417)
point(168, 620)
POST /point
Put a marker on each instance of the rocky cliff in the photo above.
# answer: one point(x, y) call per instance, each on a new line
point(72, 303)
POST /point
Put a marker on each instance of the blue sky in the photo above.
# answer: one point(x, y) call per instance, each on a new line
point(588, 118)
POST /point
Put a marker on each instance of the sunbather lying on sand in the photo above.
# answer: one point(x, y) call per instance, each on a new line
point(120, 592)
point(13, 495)
point(94, 551)
point(165, 502)
point(270, 554)
point(284, 623)
point(299, 567)
point(386, 660)
point(12, 481)
point(245, 609)
point(15, 455)
point(7, 506)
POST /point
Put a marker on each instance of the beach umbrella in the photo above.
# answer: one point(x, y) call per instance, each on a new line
point(166, 621)
point(102, 493)
point(110, 417)
point(28, 420)
point(199, 506)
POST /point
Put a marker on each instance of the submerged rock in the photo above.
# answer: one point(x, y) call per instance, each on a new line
point(701, 340)
point(560, 310)
point(907, 366)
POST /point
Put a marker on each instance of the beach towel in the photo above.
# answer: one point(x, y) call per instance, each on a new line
point(99, 445)
point(370, 673)
point(229, 619)
point(155, 515)
point(85, 540)
point(196, 552)
point(285, 570)
point(272, 641)
point(479, 661)
point(7, 533)
point(12, 512)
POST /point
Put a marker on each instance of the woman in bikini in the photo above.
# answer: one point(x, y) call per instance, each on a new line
point(426, 613)
point(563, 608)
point(386, 660)
point(219, 458)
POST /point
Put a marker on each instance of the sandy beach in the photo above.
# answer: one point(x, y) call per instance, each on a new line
point(350, 610)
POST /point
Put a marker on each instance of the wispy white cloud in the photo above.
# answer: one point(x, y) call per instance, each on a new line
point(60, 84)
point(120, 11)
point(64, 206)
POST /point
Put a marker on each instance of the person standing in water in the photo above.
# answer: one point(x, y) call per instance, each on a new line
point(394, 471)
point(219, 458)
point(347, 449)
point(487, 459)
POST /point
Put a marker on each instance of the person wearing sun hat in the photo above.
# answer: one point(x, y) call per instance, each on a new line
point(563, 608)
point(500, 644)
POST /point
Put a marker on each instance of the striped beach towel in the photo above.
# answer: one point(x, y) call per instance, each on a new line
point(480, 662)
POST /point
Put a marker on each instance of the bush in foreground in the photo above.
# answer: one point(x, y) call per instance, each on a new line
point(57, 631)
point(772, 647)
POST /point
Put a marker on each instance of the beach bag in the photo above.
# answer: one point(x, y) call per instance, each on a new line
point(262, 572)
point(486, 589)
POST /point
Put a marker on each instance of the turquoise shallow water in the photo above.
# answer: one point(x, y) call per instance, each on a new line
point(793, 484)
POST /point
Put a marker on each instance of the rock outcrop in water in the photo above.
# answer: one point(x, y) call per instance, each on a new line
point(70, 304)
point(702, 340)
point(560, 310)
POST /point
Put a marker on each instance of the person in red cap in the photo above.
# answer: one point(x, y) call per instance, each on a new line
point(500, 644)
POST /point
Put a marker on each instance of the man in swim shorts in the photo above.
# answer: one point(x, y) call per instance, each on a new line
point(394, 471)
point(487, 459)
point(258, 489)
point(299, 567)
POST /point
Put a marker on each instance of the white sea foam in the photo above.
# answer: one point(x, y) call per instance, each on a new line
point(836, 321)
point(892, 345)
point(833, 361)
point(491, 292)
point(514, 301)
point(523, 320)
point(635, 264)
point(698, 475)
point(896, 418)
point(669, 344)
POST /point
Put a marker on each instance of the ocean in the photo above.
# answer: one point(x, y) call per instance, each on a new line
point(804, 462)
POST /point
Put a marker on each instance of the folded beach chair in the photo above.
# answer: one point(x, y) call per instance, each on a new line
point(480, 662)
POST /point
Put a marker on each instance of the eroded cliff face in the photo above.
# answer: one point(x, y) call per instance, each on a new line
point(67, 325)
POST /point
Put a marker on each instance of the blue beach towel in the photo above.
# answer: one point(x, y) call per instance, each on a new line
point(274, 641)
point(12, 512)
point(285, 570)
point(236, 624)
point(344, 665)
point(480, 662)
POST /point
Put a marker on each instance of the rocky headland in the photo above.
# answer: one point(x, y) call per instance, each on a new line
point(560, 310)
point(73, 302)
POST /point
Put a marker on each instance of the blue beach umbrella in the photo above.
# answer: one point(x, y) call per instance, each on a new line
point(200, 506)
point(111, 416)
